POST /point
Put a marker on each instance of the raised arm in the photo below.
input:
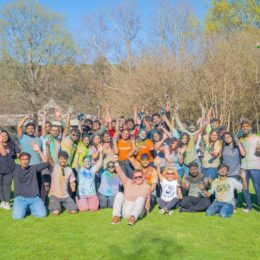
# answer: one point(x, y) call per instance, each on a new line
point(48, 153)
point(67, 125)
point(45, 113)
point(100, 159)
point(168, 123)
point(157, 162)
point(120, 172)
point(20, 125)
point(37, 149)
point(2, 149)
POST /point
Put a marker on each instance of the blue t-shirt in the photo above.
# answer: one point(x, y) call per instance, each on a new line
point(26, 143)
point(231, 157)
point(86, 182)
point(109, 184)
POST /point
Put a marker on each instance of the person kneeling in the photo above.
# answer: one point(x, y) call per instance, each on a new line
point(26, 188)
point(109, 186)
point(135, 198)
point(61, 178)
point(171, 191)
point(223, 188)
point(86, 193)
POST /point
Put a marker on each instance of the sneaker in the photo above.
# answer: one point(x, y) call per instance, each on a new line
point(7, 206)
point(115, 220)
point(162, 212)
point(170, 212)
point(131, 221)
point(2, 204)
point(247, 210)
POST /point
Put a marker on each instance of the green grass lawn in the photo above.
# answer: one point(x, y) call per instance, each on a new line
point(89, 235)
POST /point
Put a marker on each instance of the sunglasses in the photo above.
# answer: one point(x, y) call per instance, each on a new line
point(170, 173)
point(110, 166)
point(138, 177)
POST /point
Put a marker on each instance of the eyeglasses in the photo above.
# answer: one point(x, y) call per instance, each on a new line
point(138, 177)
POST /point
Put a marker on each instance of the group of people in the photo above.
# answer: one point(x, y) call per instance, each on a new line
point(129, 165)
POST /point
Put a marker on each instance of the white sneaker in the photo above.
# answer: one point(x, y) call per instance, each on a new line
point(7, 206)
point(161, 211)
point(247, 210)
point(2, 204)
point(170, 212)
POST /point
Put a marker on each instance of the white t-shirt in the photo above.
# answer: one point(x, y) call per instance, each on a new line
point(169, 189)
point(250, 161)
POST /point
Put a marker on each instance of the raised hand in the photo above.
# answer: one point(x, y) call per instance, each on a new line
point(1, 138)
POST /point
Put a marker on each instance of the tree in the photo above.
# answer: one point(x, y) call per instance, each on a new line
point(227, 15)
point(34, 46)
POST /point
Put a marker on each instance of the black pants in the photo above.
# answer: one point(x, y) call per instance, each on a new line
point(5, 186)
point(194, 204)
point(167, 204)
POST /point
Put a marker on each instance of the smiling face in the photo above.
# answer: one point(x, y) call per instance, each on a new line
point(194, 171)
point(96, 126)
point(156, 137)
point(107, 138)
point(125, 134)
point(30, 130)
point(170, 175)
point(142, 134)
point(145, 163)
point(228, 139)
point(184, 139)
point(87, 163)
point(192, 128)
point(48, 127)
point(175, 145)
point(213, 136)
point(62, 161)
point(223, 171)
point(138, 177)
point(130, 125)
point(24, 161)
point(246, 128)
point(54, 131)
point(111, 167)
point(156, 120)
point(96, 140)
point(86, 141)
point(5, 137)
point(215, 124)
point(74, 136)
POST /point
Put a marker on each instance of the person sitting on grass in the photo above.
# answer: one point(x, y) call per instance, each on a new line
point(149, 173)
point(87, 198)
point(223, 187)
point(196, 201)
point(171, 191)
point(134, 200)
point(109, 186)
point(26, 188)
point(62, 177)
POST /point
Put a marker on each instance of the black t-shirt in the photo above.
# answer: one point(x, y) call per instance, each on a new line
point(11, 149)
point(25, 180)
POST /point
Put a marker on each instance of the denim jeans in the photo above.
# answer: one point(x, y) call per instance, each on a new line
point(22, 204)
point(224, 209)
point(254, 175)
point(105, 201)
point(211, 173)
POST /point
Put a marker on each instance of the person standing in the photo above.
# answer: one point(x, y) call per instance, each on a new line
point(251, 162)
point(12, 150)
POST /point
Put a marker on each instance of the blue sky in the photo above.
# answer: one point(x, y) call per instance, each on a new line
point(75, 10)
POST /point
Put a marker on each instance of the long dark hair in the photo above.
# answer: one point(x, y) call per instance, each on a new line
point(188, 138)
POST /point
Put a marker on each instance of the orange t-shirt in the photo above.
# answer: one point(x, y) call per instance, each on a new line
point(145, 147)
point(124, 148)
